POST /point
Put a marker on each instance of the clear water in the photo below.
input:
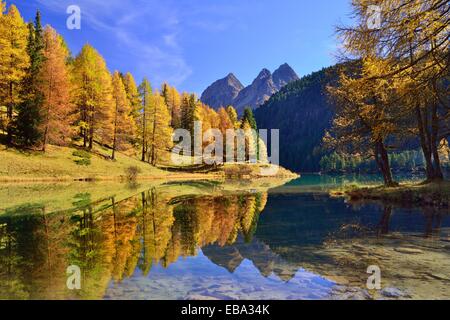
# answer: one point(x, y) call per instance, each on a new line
point(207, 241)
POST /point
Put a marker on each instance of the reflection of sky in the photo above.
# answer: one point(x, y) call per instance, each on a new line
point(288, 224)
point(198, 276)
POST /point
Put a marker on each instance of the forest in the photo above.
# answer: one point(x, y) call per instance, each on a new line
point(50, 97)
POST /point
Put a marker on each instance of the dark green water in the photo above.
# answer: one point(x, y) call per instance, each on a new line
point(208, 242)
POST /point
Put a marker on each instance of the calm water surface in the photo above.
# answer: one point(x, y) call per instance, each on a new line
point(202, 240)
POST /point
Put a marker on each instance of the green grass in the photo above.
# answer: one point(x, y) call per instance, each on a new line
point(63, 163)
point(71, 163)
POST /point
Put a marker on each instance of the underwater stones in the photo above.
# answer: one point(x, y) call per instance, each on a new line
point(338, 279)
point(394, 293)
point(194, 297)
point(353, 294)
point(439, 276)
point(405, 250)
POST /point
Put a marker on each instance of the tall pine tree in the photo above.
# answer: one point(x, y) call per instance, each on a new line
point(29, 120)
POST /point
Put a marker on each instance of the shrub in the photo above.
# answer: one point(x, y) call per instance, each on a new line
point(132, 173)
point(83, 158)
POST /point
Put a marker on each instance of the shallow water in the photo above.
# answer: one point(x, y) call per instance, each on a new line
point(208, 241)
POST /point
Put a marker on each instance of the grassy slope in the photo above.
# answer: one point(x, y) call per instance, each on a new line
point(58, 164)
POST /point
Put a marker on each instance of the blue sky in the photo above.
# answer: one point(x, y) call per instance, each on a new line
point(191, 43)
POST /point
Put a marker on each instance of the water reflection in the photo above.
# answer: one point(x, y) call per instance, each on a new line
point(262, 245)
point(111, 239)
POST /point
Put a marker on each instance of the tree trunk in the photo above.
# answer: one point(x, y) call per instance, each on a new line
point(45, 138)
point(9, 115)
point(424, 143)
point(91, 131)
point(437, 174)
point(115, 133)
point(144, 125)
point(382, 160)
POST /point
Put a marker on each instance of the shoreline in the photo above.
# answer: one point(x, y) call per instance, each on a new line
point(219, 176)
point(436, 194)
point(175, 177)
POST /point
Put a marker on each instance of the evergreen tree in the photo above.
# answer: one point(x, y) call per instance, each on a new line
point(145, 91)
point(249, 117)
point(28, 124)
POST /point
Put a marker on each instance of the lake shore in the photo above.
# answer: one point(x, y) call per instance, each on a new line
point(59, 164)
point(436, 194)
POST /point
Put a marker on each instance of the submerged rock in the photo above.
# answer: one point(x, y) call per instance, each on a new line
point(394, 293)
point(409, 250)
point(438, 276)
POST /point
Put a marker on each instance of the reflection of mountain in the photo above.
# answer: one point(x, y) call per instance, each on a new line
point(113, 240)
point(260, 254)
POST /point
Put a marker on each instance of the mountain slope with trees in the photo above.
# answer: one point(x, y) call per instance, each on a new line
point(302, 112)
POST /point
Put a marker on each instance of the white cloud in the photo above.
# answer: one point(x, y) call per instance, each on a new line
point(151, 32)
point(147, 30)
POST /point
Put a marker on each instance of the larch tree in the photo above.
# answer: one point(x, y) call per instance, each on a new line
point(124, 125)
point(366, 116)
point(232, 114)
point(189, 111)
point(145, 91)
point(14, 63)
point(55, 86)
point(93, 97)
point(413, 37)
point(173, 101)
point(160, 139)
point(132, 95)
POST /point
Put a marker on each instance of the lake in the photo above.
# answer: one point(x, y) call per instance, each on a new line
point(209, 240)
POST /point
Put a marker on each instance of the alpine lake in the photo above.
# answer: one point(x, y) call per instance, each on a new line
point(259, 240)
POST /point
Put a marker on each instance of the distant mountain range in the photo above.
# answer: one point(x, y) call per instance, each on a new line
point(230, 91)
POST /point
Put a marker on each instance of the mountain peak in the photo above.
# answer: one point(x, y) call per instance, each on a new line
point(283, 75)
point(230, 91)
point(265, 73)
point(222, 92)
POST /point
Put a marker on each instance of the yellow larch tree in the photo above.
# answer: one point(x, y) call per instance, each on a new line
point(14, 62)
point(93, 97)
point(55, 86)
point(124, 125)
